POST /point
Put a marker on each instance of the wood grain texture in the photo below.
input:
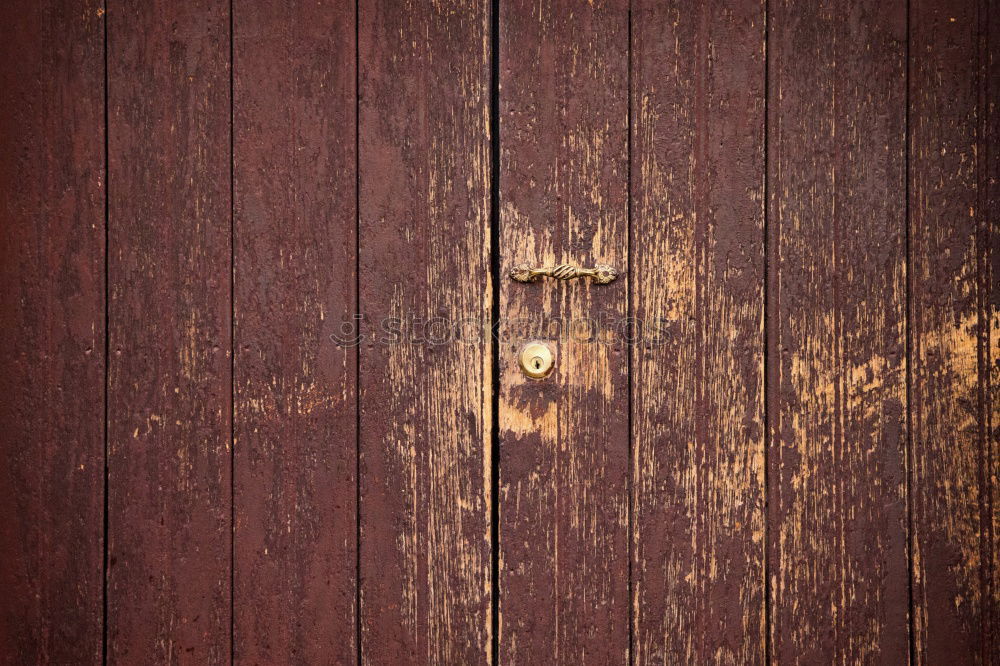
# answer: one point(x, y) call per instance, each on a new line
point(295, 417)
point(955, 324)
point(170, 397)
point(989, 298)
point(836, 332)
point(563, 504)
point(51, 331)
point(697, 285)
point(424, 270)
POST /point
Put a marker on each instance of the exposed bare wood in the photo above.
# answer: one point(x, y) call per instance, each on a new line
point(836, 332)
point(564, 441)
point(697, 285)
point(424, 270)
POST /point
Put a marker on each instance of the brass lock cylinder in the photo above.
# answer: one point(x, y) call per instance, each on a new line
point(536, 359)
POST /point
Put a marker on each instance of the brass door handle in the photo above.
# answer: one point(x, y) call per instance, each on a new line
point(600, 274)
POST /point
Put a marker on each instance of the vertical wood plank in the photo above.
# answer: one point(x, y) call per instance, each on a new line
point(564, 450)
point(169, 332)
point(697, 301)
point(294, 276)
point(836, 319)
point(955, 324)
point(989, 260)
point(424, 272)
point(52, 181)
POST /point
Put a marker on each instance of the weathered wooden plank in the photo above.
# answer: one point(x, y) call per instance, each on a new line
point(697, 285)
point(563, 504)
point(989, 261)
point(52, 331)
point(836, 332)
point(169, 391)
point(954, 329)
point(425, 402)
point(295, 422)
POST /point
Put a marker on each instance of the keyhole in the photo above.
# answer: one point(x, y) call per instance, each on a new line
point(536, 359)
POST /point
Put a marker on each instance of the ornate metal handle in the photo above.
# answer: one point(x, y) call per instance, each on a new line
point(600, 274)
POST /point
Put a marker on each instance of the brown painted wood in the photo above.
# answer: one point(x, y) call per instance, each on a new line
point(954, 323)
point(563, 504)
point(836, 332)
point(697, 285)
point(425, 407)
point(870, 327)
point(295, 419)
point(52, 182)
point(988, 241)
point(169, 331)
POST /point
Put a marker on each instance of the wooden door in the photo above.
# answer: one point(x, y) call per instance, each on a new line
point(261, 391)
